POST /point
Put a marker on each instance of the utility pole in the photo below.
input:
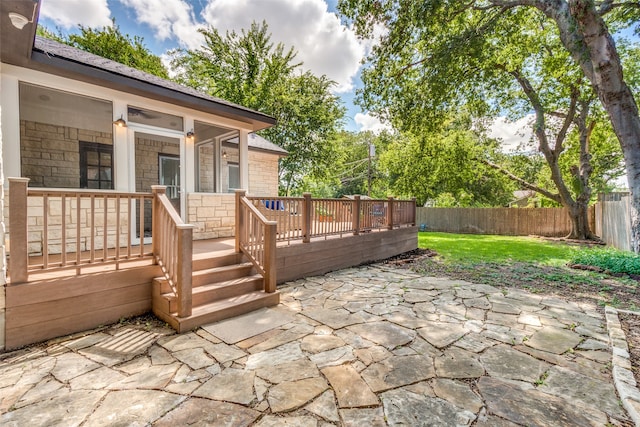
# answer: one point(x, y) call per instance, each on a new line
point(372, 153)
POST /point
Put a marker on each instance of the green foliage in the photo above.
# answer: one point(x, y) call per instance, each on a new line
point(609, 259)
point(248, 69)
point(489, 58)
point(442, 166)
point(470, 248)
point(110, 43)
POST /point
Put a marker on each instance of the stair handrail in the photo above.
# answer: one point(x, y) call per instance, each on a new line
point(256, 238)
point(172, 246)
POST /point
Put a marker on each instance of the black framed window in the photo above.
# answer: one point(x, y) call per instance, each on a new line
point(96, 166)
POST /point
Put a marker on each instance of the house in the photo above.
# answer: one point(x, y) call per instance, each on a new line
point(111, 178)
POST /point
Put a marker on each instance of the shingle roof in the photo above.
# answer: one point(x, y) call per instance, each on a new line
point(260, 143)
point(53, 48)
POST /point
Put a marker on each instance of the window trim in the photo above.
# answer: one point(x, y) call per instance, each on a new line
point(85, 147)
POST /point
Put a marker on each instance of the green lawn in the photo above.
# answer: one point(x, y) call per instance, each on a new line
point(472, 248)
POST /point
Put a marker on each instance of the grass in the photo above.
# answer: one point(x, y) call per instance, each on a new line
point(532, 264)
point(472, 248)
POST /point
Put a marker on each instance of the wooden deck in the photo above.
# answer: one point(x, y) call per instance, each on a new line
point(55, 303)
point(104, 275)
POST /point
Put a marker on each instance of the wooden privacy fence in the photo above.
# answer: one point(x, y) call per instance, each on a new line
point(306, 218)
point(613, 220)
point(550, 222)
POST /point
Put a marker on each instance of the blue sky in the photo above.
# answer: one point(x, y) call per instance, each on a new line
point(311, 26)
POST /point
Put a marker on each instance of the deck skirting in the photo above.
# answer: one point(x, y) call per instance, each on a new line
point(320, 257)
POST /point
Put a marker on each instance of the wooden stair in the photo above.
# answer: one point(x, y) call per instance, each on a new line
point(223, 286)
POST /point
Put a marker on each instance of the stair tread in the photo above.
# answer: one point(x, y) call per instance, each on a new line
point(217, 285)
point(215, 269)
point(225, 303)
point(223, 268)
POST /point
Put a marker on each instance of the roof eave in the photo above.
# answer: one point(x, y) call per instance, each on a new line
point(66, 68)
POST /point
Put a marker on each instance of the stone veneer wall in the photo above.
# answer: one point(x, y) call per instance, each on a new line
point(50, 155)
point(263, 173)
point(214, 215)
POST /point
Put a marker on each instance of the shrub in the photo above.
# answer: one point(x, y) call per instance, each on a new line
point(609, 259)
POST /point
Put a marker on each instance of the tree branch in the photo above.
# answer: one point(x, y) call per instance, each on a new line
point(567, 122)
point(548, 194)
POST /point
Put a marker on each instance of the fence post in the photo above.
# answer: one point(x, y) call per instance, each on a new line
point(156, 190)
point(306, 218)
point(185, 262)
point(239, 219)
point(413, 209)
point(271, 229)
point(390, 214)
point(355, 206)
point(18, 232)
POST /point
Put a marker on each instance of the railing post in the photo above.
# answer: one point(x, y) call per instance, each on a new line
point(355, 206)
point(414, 210)
point(306, 218)
point(390, 214)
point(157, 190)
point(185, 260)
point(271, 229)
point(18, 232)
point(239, 219)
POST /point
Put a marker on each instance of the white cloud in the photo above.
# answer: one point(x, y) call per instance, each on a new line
point(71, 13)
point(367, 122)
point(168, 19)
point(323, 43)
point(512, 134)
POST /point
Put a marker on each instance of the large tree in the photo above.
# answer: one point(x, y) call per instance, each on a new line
point(249, 69)
point(423, 42)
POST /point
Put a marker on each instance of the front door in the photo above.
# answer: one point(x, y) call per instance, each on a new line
point(157, 162)
point(169, 168)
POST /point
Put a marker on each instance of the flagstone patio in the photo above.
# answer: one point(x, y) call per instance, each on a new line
point(365, 346)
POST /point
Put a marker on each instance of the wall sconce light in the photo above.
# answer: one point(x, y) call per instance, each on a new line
point(19, 21)
point(190, 134)
point(120, 122)
point(224, 154)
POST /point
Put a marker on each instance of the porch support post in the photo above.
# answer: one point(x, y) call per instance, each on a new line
point(157, 190)
point(355, 207)
point(270, 256)
point(239, 219)
point(185, 260)
point(244, 159)
point(306, 218)
point(18, 249)
point(390, 214)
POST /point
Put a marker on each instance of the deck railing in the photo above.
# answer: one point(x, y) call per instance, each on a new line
point(173, 248)
point(256, 238)
point(305, 218)
point(58, 229)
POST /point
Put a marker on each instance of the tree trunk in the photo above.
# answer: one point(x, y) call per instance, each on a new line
point(585, 35)
point(579, 214)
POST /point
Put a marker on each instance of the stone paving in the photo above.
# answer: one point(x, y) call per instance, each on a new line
point(370, 346)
